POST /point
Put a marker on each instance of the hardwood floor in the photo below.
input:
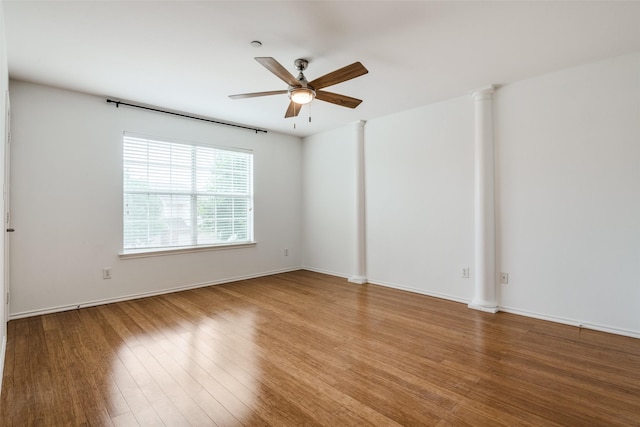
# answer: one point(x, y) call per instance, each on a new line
point(303, 348)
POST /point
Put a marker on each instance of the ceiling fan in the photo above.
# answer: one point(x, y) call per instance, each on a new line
point(301, 91)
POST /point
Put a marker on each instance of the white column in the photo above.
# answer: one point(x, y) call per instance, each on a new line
point(360, 267)
point(485, 240)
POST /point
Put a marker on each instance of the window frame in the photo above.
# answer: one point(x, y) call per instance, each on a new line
point(128, 253)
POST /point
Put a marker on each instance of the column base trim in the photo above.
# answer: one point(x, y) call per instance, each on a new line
point(485, 308)
point(358, 280)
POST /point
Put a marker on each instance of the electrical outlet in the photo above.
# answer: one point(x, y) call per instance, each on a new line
point(106, 273)
point(464, 273)
point(504, 278)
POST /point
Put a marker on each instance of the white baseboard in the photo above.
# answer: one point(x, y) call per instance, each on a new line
point(94, 303)
point(571, 322)
point(585, 325)
point(420, 291)
point(534, 315)
point(358, 280)
point(327, 272)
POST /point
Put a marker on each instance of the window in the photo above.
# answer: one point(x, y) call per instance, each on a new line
point(179, 195)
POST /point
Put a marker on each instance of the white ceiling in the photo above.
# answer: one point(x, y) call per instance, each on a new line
point(189, 56)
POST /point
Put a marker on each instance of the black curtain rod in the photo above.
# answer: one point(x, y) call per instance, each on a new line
point(157, 110)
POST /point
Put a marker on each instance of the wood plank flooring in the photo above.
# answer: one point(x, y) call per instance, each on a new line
point(303, 348)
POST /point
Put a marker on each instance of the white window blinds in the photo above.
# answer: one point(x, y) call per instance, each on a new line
point(179, 194)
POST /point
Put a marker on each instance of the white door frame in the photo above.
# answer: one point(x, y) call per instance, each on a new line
point(7, 213)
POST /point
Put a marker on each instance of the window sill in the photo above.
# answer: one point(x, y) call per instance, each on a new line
point(146, 253)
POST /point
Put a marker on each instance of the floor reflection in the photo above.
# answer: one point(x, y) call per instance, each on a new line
point(194, 370)
point(305, 349)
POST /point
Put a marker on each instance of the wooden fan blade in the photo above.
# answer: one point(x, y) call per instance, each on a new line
point(338, 76)
point(293, 110)
point(276, 68)
point(255, 94)
point(334, 98)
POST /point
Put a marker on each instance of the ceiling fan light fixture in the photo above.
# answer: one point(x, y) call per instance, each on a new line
point(302, 95)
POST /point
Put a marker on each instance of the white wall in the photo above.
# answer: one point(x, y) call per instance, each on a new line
point(67, 202)
point(567, 194)
point(419, 199)
point(568, 165)
point(329, 189)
